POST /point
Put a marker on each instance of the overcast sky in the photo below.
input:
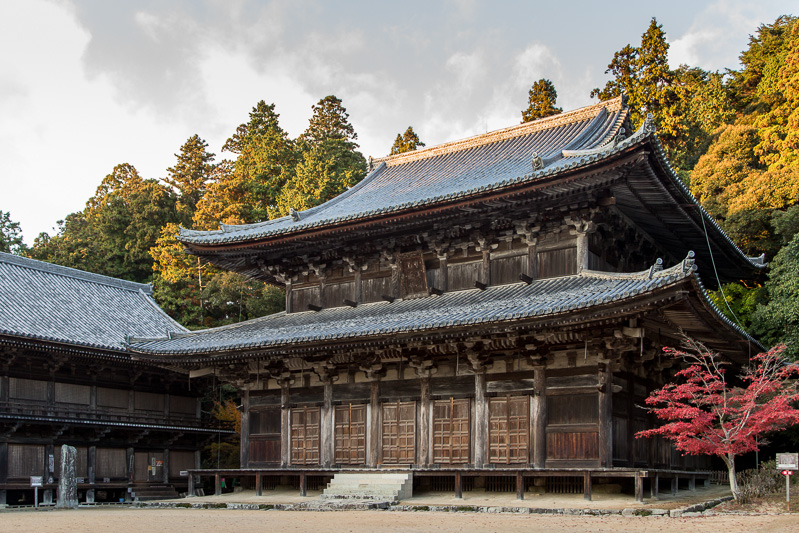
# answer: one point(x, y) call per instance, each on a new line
point(88, 84)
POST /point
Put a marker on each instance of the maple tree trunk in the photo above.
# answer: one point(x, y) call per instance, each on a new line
point(729, 460)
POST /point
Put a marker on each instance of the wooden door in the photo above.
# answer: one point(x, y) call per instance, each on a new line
point(350, 434)
point(509, 429)
point(399, 432)
point(451, 431)
point(305, 435)
point(265, 436)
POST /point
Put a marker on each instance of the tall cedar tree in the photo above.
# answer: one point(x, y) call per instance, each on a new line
point(541, 101)
point(10, 235)
point(330, 162)
point(710, 413)
point(407, 142)
point(190, 176)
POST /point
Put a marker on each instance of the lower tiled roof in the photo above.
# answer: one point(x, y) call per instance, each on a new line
point(49, 302)
point(541, 298)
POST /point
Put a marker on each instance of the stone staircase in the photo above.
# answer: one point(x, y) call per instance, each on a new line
point(369, 486)
point(154, 492)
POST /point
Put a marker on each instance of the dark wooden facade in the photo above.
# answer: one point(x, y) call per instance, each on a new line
point(516, 326)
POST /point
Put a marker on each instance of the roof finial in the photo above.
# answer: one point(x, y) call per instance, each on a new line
point(649, 124)
point(295, 215)
point(369, 164)
point(538, 163)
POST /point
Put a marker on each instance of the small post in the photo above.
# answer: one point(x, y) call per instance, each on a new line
point(788, 489)
point(190, 489)
point(458, 486)
point(217, 484)
point(303, 484)
point(587, 486)
point(675, 482)
point(639, 487)
point(258, 488)
point(654, 487)
point(519, 485)
point(692, 483)
point(36, 498)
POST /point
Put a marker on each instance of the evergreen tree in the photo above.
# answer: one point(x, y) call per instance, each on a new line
point(10, 235)
point(190, 176)
point(541, 101)
point(407, 142)
point(330, 122)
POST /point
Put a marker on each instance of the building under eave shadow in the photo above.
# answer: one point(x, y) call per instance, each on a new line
point(488, 312)
point(66, 378)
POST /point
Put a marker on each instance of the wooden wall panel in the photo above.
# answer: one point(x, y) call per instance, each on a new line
point(264, 450)
point(141, 462)
point(336, 293)
point(25, 460)
point(114, 398)
point(573, 446)
point(507, 269)
point(457, 386)
point(620, 450)
point(148, 401)
point(183, 405)
point(75, 394)
point(373, 289)
point(451, 431)
point(413, 277)
point(111, 463)
point(509, 429)
point(556, 263)
point(27, 389)
point(305, 435)
point(265, 435)
point(399, 432)
point(180, 460)
point(301, 297)
point(572, 409)
point(350, 434)
point(463, 275)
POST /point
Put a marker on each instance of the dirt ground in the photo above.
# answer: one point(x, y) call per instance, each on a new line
point(131, 520)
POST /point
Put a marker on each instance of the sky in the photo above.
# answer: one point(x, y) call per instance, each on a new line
point(89, 84)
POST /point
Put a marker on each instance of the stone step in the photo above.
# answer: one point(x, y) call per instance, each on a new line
point(378, 486)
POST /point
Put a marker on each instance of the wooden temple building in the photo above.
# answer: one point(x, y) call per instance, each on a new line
point(66, 378)
point(486, 311)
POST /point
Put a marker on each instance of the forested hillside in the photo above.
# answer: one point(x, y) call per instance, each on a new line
point(732, 136)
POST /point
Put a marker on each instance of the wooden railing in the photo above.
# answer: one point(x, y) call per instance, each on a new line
point(84, 413)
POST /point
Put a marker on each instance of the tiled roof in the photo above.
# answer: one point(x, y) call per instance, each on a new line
point(54, 303)
point(518, 301)
point(446, 172)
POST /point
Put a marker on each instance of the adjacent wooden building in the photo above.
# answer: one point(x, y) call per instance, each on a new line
point(66, 378)
point(488, 308)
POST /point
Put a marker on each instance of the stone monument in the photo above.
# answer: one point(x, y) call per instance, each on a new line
point(68, 481)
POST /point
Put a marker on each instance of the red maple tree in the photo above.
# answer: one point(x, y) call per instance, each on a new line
point(705, 414)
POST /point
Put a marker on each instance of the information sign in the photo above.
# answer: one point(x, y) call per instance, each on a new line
point(788, 461)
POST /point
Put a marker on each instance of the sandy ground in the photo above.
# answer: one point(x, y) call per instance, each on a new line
point(130, 520)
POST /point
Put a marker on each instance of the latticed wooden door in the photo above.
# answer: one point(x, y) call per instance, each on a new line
point(509, 429)
point(399, 432)
point(305, 435)
point(350, 434)
point(451, 431)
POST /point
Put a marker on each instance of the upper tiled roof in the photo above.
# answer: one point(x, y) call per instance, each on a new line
point(444, 172)
point(54, 303)
point(518, 301)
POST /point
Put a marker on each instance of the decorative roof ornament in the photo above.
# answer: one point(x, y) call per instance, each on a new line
point(649, 126)
point(689, 263)
point(657, 267)
point(619, 137)
point(538, 162)
point(369, 164)
point(295, 215)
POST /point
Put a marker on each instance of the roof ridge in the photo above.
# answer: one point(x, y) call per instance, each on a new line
point(69, 272)
point(577, 115)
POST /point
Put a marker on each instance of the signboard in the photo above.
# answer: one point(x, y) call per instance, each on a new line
point(36, 481)
point(788, 461)
point(184, 473)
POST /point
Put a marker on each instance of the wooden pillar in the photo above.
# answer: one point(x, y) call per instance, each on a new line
point(217, 484)
point(303, 484)
point(675, 484)
point(424, 432)
point(692, 483)
point(587, 486)
point(130, 457)
point(4, 464)
point(326, 426)
point(358, 289)
point(519, 485)
point(539, 416)
point(480, 418)
point(289, 306)
point(605, 415)
point(630, 415)
point(654, 487)
point(373, 454)
point(532, 257)
point(443, 272)
point(244, 447)
point(458, 485)
point(91, 463)
point(582, 251)
point(47, 496)
point(639, 487)
point(285, 425)
point(486, 275)
point(258, 484)
point(190, 489)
